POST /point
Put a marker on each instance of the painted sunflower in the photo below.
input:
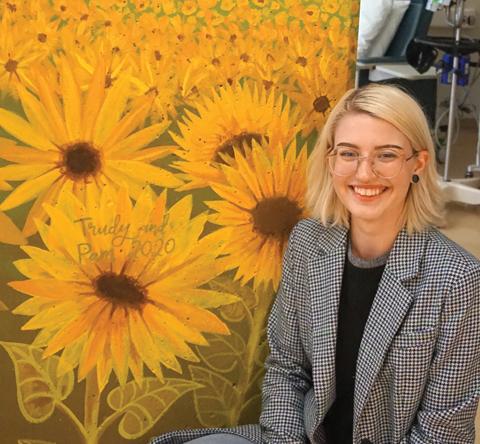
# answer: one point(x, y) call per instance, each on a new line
point(320, 87)
point(119, 286)
point(235, 116)
point(263, 199)
point(17, 54)
point(81, 143)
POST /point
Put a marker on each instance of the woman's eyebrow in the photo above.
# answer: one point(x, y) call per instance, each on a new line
point(352, 145)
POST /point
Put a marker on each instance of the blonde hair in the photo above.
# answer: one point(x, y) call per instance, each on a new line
point(423, 206)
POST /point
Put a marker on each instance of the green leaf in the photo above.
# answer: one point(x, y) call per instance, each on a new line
point(214, 401)
point(38, 387)
point(235, 312)
point(225, 353)
point(145, 404)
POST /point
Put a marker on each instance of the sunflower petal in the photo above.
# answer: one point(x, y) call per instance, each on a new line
point(112, 108)
point(145, 172)
point(49, 288)
point(196, 317)
point(95, 345)
point(94, 99)
point(150, 154)
point(9, 233)
point(26, 155)
point(144, 344)
point(37, 212)
point(35, 112)
point(120, 345)
point(76, 329)
point(52, 106)
point(126, 125)
point(22, 130)
point(71, 100)
point(29, 190)
point(205, 298)
point(141, 138)
point(23, 172)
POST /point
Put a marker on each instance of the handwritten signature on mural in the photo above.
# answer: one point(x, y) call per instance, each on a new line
point(148, 239)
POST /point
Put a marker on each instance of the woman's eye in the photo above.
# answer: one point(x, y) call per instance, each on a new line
point(386, 156)
point(347, 154)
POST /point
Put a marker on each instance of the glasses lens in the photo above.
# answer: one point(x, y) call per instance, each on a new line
point(342, 165)
point(387, 164)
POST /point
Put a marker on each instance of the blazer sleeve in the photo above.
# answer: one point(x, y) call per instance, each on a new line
point(450, 399)
point(288, 372)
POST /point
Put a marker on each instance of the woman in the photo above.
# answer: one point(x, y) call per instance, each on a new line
point(375, 332)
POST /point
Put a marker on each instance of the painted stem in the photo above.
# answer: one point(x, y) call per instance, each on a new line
point(108, 422)
point(252, 350)
point(81, 429)
point(92, 407)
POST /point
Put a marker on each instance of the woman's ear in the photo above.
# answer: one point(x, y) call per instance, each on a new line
point(422, 157)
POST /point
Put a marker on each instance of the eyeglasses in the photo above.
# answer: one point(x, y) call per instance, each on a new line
point(385, 163)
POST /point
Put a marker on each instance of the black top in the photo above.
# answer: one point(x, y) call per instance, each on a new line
point(359, 286)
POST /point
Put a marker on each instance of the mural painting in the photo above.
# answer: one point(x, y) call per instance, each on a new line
point(153, 159)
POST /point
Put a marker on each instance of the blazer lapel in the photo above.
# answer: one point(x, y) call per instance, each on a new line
point(389, 308)
point(325, 282)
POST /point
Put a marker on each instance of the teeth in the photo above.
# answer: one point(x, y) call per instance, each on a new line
point(368, 191)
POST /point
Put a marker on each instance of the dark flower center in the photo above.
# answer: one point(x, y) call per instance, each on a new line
point(275, 216)
point(81, 160)
point(42, 37)
point(11, 65)
point(237, 142)
point(321, 104)
point(302, 61)
point(120, 289)
point(244, 57)
point(108, 80)
point(267, 84)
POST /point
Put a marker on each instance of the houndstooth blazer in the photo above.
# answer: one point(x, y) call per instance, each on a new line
point(418, 369)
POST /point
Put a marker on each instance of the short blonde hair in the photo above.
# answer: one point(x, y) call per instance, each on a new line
point(424, 205)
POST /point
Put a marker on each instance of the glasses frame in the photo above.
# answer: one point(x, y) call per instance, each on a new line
point(361, 158)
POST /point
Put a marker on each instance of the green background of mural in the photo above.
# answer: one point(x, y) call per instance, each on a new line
point(192, 122)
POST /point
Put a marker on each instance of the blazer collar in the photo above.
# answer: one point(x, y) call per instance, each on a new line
point(406, 255)
point(390, 306)
point(404, 259)
point(332, 239)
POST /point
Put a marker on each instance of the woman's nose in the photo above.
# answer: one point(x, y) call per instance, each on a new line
point(364, 168)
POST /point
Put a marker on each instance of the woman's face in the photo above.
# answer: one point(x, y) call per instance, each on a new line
point(366, 196)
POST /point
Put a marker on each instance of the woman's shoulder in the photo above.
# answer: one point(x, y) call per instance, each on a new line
point(448, 251)
point(311, 231)
point(448, 260)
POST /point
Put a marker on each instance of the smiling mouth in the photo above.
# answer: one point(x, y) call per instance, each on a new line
point(368, 192)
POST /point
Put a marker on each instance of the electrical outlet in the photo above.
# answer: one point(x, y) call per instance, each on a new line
point(469, 17)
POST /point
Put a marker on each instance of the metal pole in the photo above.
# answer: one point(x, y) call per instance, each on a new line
point(458, 18)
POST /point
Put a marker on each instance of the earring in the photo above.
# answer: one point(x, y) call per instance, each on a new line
point(415, 178)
